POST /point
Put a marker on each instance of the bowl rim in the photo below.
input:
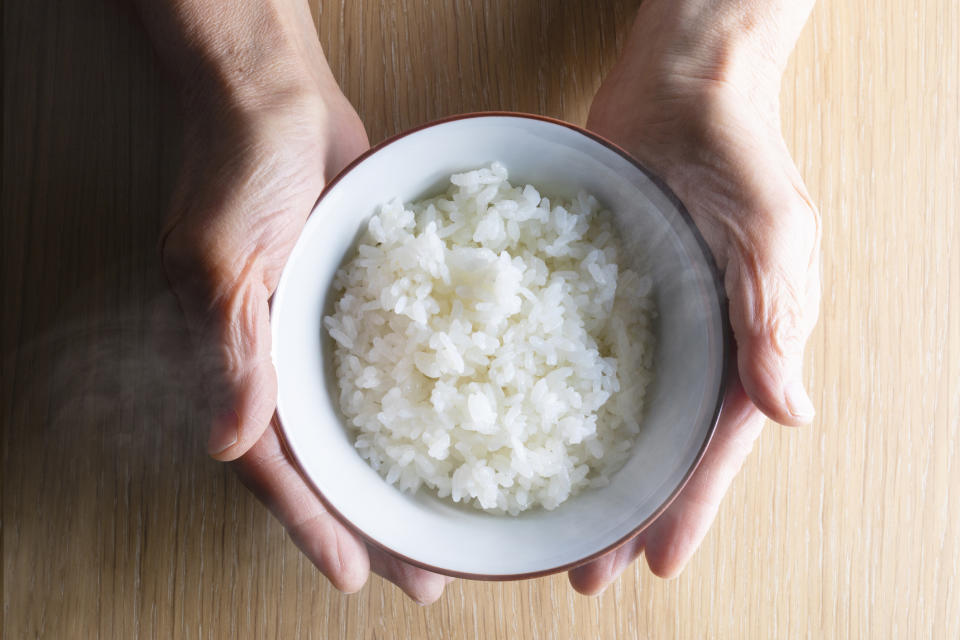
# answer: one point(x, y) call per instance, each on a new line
point(726, 345)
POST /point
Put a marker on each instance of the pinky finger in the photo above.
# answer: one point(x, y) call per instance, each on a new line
point(422, 586)
point(592, 578)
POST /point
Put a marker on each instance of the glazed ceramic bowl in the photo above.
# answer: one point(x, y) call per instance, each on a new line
point(683, 401)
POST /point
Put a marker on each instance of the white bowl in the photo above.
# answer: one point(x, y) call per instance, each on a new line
point(683, 401)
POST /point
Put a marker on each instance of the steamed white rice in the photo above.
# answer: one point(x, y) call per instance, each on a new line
point(489, 347)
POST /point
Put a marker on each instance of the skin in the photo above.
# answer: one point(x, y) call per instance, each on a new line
point(694, 98)
point(697, 103)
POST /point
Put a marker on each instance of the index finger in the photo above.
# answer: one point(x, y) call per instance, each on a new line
point(267, 471)
point(673, 538)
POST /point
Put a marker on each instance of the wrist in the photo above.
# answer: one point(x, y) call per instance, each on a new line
point(736, 43)
point(245, 58)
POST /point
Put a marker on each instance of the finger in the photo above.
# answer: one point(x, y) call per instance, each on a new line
point(339, 554)
point(773, 287)
point(241, 371)
point(228, 315)
point(673, 537)
point(422, 586)
point(592, 578)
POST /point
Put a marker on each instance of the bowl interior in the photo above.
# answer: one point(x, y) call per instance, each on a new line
point(682, 401)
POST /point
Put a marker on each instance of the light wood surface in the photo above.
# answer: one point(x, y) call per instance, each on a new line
point(115, 525)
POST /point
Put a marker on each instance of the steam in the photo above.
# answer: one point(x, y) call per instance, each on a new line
point(125, 379)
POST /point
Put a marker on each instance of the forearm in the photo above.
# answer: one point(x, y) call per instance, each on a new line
point(247, 52)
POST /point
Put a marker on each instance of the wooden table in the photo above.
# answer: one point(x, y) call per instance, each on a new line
point(116, 525)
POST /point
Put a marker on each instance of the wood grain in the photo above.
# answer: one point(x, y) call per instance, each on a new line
point(114, 523)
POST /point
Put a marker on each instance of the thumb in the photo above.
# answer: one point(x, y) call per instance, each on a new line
point(773, 292)
point(244, 381)
point(228, 317)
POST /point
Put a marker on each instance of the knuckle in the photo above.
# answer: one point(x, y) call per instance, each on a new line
point(808, 222)
point(770, 300)
point(233, 325)
point(784, 322)
point(220, 297)
point(178, 256)
point(201, 267)
point(778, 273)
point(206, 259)
point(189, 266)
point(189, 253)
point(805, 224)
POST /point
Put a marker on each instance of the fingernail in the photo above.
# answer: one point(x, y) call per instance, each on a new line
point(799, 402)
point(223, 432)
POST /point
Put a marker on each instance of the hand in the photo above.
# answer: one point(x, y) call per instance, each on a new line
point(706, 119)
point(259, 150)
